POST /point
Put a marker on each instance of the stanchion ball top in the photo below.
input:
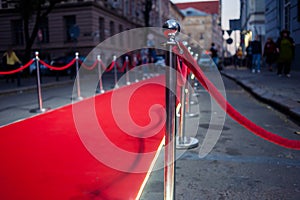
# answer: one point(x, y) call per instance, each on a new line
point(171, 27)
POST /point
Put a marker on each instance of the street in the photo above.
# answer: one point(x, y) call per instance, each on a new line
point(240, 166)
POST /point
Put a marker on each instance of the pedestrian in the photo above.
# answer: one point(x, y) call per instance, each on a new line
point(249, 56)
point(214, 54)
point(256, 54)
point(270, 53)
point(11, 62)
point(286, 50)
point(239, 57)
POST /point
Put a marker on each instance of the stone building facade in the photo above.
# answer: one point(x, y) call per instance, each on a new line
point(79, 24)
point(202, 23)
point(284, 15)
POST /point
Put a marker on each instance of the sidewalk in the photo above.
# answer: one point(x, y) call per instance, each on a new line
point(30, 83)
point(281, 92)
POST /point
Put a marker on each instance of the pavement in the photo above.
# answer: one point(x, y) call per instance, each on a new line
point(282, 93)
point(30, 83)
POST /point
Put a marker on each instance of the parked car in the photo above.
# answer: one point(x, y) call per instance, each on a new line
point(43, 69)
point(205, 60)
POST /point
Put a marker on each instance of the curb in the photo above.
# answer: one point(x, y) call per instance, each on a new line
point(290, 108)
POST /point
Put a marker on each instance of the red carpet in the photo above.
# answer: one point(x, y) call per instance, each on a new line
point(83, 151)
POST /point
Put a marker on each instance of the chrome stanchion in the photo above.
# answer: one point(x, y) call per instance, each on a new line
point(100, 90)
point(189, 113)
point(115, 71)
point(79, 97)
point(183, 141)
point(194, 86)
point(127, 70)
point(193, 92)
point(135, 61)
point(171, 30)
point(40, 109)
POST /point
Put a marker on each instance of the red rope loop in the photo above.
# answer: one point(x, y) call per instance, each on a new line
point(230, 110)
point(183, 72)
point(125, 64)
point(19, 69)
point(112, 65)
point(58, 68)
point(89, 67)
point(102, 65)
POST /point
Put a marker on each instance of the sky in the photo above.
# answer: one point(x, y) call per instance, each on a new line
point(230, 10)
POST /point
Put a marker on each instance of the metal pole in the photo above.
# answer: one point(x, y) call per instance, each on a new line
point(171, 30)
point(188, 102)
point(127, 70)
point(181, 134)
point(100, 74)
point(40, 109)
point(136, 68)
point(115, 71)
point(184, 142)
point(170, 128)
point(79, 97)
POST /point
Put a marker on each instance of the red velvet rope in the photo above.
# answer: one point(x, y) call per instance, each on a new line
point(19, 69)
point(89, 67)
point(58, 68)
point(183, 72)
point(110, 67)
point(230, 110)
point(102, 65)
point(122, 69)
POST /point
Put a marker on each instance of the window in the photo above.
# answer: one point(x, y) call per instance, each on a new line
point(101, 29)
point(287, 14)
point(69, 21)
point(121, 37)
point(126, 8)
point(201, 36)
point(44, 30)
point(112, 30)
point(17, 32)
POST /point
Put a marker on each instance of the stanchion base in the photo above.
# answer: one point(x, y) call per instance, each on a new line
point(136, 80)
point(38, 110)
point(77, 98)
point(187, 143)
point(128, 83)
point(191, 115)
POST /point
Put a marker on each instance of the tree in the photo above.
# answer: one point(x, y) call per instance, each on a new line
point(35, 11)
